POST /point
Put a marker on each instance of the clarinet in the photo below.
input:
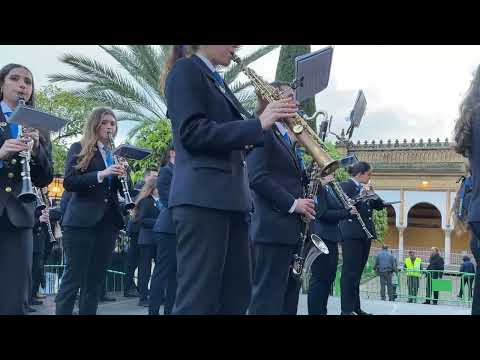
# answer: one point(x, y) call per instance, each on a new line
point(27, 194)
point(348, 204)
point(129, 204)
point(44, 203)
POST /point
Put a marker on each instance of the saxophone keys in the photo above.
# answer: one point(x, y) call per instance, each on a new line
point(297, 129)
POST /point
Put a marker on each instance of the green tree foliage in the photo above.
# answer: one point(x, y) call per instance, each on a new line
point(286, 71)
point(70, 107)
point(380, 220)
point(132, 88)
point(155, 136)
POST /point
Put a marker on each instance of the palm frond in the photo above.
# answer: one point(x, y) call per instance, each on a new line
point(232, 72)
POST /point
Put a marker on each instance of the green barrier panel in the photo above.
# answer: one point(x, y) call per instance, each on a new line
point(442, 285)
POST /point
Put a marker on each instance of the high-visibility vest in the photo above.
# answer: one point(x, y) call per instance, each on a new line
point(412, 267)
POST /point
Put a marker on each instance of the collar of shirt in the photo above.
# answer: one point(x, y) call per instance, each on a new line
point(281, 128)
point(207, 62)
point(5, 107)
point(356, 182)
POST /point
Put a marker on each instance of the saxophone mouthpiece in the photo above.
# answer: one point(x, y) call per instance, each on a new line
point(236, 59)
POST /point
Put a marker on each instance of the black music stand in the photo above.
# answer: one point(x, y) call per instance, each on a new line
point(131, 152)
point(30, 117)
point(357, 113)
point(312, 73)
point(348, 161)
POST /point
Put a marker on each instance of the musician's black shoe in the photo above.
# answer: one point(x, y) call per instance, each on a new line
point(36, 302)
point(30, 309)
point(347, 313)
point(107, 299)
point(361, 312)
point(131, 293)
point(143, 303)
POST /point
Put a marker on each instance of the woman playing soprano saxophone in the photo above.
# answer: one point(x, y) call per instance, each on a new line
point(210, 197)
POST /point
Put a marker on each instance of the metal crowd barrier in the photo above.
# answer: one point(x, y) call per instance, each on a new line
point(53, 274)
point(453, 287)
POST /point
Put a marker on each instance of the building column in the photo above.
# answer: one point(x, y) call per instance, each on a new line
point(400, 243)
point(448, 244)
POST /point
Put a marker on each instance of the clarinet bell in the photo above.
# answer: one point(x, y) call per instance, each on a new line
point(27, 195)
point(319, 244)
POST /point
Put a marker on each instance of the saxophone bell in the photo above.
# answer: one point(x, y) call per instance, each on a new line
point(319, 244)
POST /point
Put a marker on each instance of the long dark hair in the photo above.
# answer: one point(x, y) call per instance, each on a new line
point(360, 167)
point(44, 137)
point(4, 71)
point(463, 125)
point(177, 52)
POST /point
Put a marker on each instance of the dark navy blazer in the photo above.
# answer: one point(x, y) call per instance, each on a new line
point(275, 176)
point(89, 198)
point(210, 137)
point(351, 228)
point(20, 214)
point(146, 217)
point(329, 212)
point(474, 156)
point(164, 223)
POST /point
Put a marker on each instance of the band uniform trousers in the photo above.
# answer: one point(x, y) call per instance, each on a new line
point(132, 261)
point(274, 290)
point(354, 258)
point(147, 255)
point(88, 252)
point(213, 247)
point(324, 270)
point(164, 278)
point(16, 246)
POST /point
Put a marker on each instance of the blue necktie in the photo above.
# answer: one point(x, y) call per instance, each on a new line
point(299, 152)
point(287, 139)
point(109, 161)
point(218, 79)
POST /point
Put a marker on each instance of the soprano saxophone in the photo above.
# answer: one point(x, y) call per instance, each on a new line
point(304, 134)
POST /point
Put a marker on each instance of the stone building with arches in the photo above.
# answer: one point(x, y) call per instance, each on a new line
point(424, 177)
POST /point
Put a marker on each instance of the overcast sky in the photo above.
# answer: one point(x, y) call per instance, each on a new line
point(411, 91)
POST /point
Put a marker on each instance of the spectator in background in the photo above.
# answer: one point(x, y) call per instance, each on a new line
point(468, 268)
point(436, 267)
point(413, 267)
point(385, 266)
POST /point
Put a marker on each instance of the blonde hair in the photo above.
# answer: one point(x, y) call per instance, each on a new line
point(147, 190)
point(90, 136)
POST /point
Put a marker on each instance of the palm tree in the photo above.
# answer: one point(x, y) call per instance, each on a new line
point(133, 89)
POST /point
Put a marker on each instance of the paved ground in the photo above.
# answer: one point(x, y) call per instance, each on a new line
point(124, 306)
